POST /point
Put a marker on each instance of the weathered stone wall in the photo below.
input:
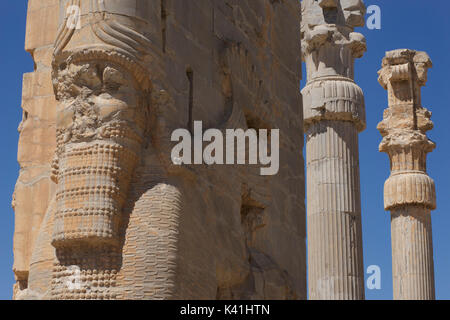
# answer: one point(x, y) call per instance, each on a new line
point(34, 189)
point(218, 232)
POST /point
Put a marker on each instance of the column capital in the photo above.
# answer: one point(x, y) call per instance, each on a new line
point(329, 48)
point(405, 121)
point(404, 65)
point(329, 43)
point(404, 126)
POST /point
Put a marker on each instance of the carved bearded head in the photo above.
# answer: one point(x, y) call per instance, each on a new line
point(95, 97)
point(101, 122)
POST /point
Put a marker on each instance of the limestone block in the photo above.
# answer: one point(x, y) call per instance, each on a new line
point(34, 189)
point(30, 205)
point(37, 84)
point(42, 23)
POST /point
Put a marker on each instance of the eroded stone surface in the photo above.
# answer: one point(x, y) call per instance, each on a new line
point(34, 188)
point(119, 220)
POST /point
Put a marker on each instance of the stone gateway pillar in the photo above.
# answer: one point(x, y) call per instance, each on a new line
point(102, 209)
point(409, 193)
point(333, 116)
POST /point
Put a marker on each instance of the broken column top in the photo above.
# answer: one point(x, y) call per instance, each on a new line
point(329, 43)
point(339, 12)
point(403, 73)
point(417, 59)
point(329, 48)
point(404, 126)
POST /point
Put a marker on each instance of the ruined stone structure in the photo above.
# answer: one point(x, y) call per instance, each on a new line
point(409, 193)
point(333, 116)
point(101, 210)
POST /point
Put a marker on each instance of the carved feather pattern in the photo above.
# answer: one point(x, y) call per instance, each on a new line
point(116, 34)
point(65, 32)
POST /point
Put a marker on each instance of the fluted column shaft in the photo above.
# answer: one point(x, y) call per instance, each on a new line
point(412, 252)
point(334, 212)
point(409, 193)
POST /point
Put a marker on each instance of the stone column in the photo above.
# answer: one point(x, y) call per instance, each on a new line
point(409, 193)
point(333, 116)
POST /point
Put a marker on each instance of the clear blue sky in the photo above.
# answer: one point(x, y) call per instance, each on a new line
point(415, 24)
